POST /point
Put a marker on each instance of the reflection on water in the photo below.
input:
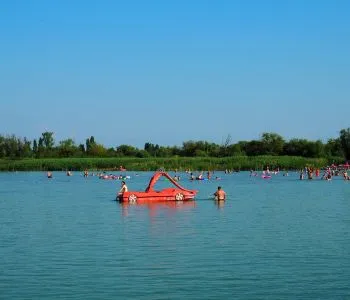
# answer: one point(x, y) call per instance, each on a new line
point(280, 238)
point(220, 203)
point(155, 207)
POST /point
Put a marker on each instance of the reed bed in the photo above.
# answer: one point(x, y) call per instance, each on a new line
point(151, 164)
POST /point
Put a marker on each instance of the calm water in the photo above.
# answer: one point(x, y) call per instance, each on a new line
point(273, 239)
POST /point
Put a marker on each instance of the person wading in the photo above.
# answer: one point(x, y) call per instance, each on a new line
point(220, 194)
point(123, 189)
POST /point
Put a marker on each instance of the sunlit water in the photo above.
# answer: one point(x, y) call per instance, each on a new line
point(66, 238)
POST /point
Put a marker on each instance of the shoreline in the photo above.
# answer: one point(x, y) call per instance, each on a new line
point(234, 163)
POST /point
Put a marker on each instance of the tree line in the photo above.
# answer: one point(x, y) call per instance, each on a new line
point(14, 147)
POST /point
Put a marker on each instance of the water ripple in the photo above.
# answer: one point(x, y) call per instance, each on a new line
point(277, 239)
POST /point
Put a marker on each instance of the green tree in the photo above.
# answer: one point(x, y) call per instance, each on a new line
point(296, 147)
point(48, 140)
point(315, 149)
point(191, 148)
point(272, 143)
point(2, 147)
point(253, 148)
point(344, 137)
point(126, 150)
point(164, 151)
point(27, 149)
point(41, 148)
point(151, 149)
point(303, 147)
point(224, 151)
point(82, 148)
point(12, 146)
point(175, 151)
point(90, 143)
point(333, 148)
point(98, 150)
point(142, 154)
point(67, 148)
point(200, 153)
point(35, 146)
point(235, 150)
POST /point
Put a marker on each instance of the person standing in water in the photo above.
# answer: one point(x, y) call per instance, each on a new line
point(208, 175)
point(123, 189)
point(220, 194)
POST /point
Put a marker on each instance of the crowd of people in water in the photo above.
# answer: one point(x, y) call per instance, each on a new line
point(328, 173)
point(308, 173)
point(100, 175)
point(200, 176)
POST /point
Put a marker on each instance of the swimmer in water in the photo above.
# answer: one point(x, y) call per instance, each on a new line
point(220, 194)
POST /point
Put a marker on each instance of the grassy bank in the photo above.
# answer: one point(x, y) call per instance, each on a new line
point(151, 164)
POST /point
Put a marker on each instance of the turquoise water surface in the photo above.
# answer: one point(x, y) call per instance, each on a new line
point(67, 238)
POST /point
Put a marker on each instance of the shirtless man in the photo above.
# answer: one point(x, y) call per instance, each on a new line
point(220, 194)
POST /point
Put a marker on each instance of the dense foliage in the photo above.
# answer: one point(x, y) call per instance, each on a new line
point(269, 144)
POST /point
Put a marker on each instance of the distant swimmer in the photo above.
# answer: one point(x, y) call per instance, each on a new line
point(253, 173)
point(220, 194)
point(49, 175)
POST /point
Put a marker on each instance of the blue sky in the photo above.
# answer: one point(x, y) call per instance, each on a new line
point(130, 72)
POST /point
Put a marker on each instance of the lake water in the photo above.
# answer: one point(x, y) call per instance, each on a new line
point(66, 238)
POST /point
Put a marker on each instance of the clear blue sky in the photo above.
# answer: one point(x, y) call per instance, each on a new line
point(130, 72)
